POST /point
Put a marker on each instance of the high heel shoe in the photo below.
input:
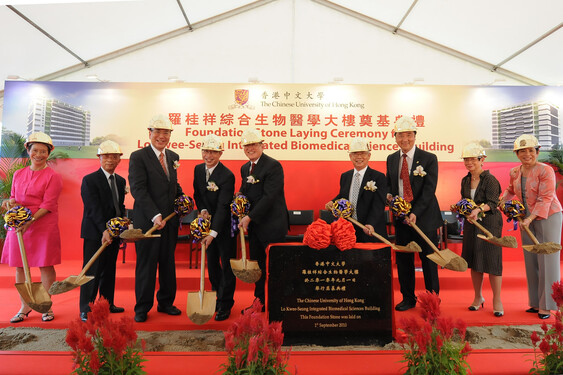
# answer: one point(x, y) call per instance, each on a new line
point(498, 314)
point(476, 308)
point(20, 317)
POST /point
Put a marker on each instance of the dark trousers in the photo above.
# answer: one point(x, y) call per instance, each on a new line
point(223, 281)
point(258, 253)
point(103, 270)
point(152, 255)
point(405, 262)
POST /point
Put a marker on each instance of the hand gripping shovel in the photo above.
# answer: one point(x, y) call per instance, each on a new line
point(445, 258)
point(246, 270)
point(537, 247)
point(114, 226)
point(33, 294)
point(201, 305)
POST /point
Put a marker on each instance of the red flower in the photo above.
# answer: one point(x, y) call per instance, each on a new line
point(544, 327)
point(317, 235)
point(461, 327)
point(446, 326)
point(95, 362)
point(239, 358)
point(252, 349)
point(343, 234)
point(439, 343)
point(557, 294)
point(276, 334)
point(229, 342)
point(466, 349)
point(430, 304)
point(535, 338)
point(544, 346)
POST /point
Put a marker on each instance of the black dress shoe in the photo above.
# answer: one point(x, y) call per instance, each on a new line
point(83, 316)
point(170, 310)
point(543, 316)
point(222, 315)
point(115, 309)
point(404, 306)
point(140, 317)
point(533, 310)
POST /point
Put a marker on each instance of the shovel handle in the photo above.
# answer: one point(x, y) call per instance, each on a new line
point(530, 234)
point(481, 227)
point(426, 239)
point(155, 227)
point(24, 258)
point(202, 274)
point(92, 260)
point(372, 233)
point(243, 247)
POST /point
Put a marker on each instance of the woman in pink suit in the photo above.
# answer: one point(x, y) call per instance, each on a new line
point(533, 183)
point(36, 187)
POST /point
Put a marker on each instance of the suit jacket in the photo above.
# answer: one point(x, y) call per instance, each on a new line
point(217, 203)
point(424, 204)
point(98, 203)
point(153, 192)
point(268, 210)
point(540, 190)
point(371, 205)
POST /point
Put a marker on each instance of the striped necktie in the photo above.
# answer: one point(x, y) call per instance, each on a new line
point(161, 160)
point(407, 190)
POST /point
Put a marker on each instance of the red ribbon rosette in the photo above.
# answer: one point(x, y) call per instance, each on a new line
point(318, 235)
point(343, 234)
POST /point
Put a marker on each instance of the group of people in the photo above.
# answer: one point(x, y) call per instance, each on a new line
point(411, 173)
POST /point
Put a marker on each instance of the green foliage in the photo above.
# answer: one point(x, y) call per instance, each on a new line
point(110, 137)
point(555, 158)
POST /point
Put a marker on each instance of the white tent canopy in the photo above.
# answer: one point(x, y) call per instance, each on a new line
point(479, 42)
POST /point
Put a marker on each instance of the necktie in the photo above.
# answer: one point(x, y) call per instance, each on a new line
point(161, 160)
point(407, 190)
point(251, 168)
point(207, 175)
point(114, 195)
point(354, 193)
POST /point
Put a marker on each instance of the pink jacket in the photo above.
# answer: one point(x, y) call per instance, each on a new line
point(540, 190)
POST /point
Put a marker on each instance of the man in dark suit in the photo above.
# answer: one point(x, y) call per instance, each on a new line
point(154, 185)
point(263, 185)
point(103, 193)
point(420, 171)
point(214, 187)
point(366, 189)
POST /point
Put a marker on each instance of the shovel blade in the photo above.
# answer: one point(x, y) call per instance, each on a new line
point(201, 310)
point(411, 247)
point(507, 241)
point(35, 296)
point(69, 284)
point(449, 260)
point(249, 272)
point(543, 248)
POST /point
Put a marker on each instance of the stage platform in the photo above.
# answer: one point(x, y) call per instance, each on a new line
point(456, 294)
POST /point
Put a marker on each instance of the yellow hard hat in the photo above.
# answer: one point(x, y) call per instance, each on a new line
point(109, 147)
point(250, 136)
point(39, 137)
point(525, 141)
point(405, 124)
point(473, 150)
point(160, 122)
point(212, 143)
point(358, 145)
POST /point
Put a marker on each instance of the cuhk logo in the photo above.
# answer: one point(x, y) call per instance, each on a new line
point(241, 97)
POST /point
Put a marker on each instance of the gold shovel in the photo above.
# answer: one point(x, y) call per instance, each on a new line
point(72, 282)
point(444, 258)
point(411, 247)
point(538, 248)
point(201, 305)
point(246, 270)
point(33, 294)
point(133, 235)
point(507, 241)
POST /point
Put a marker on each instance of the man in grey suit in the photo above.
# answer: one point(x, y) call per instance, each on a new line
point(103, 193)
point(366, 189)
point(263, 185)
point(413, 174)
point(214, 187)
point(154, 185)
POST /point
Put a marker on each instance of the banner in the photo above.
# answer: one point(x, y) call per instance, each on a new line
point(298, 121)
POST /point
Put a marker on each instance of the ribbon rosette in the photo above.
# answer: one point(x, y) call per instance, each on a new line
point(252, 180)
point(183, 205)
point(343, 234)
point(400, 207)
point(16, 217)
point(176, 164)
point(513, 209)
point(212, 186)
point(370, 185)
point(200, 228)
point(419, 171)
point(318, 235)
point(117, 225)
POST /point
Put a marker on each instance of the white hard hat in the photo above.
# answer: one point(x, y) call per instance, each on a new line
point(525, 141)
point(358, 145)
point(405, 124)
point(250, 136)
point(160, 122)
point(473, 150)
point(212, 143)
point(39, 137)
point(109, 147)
